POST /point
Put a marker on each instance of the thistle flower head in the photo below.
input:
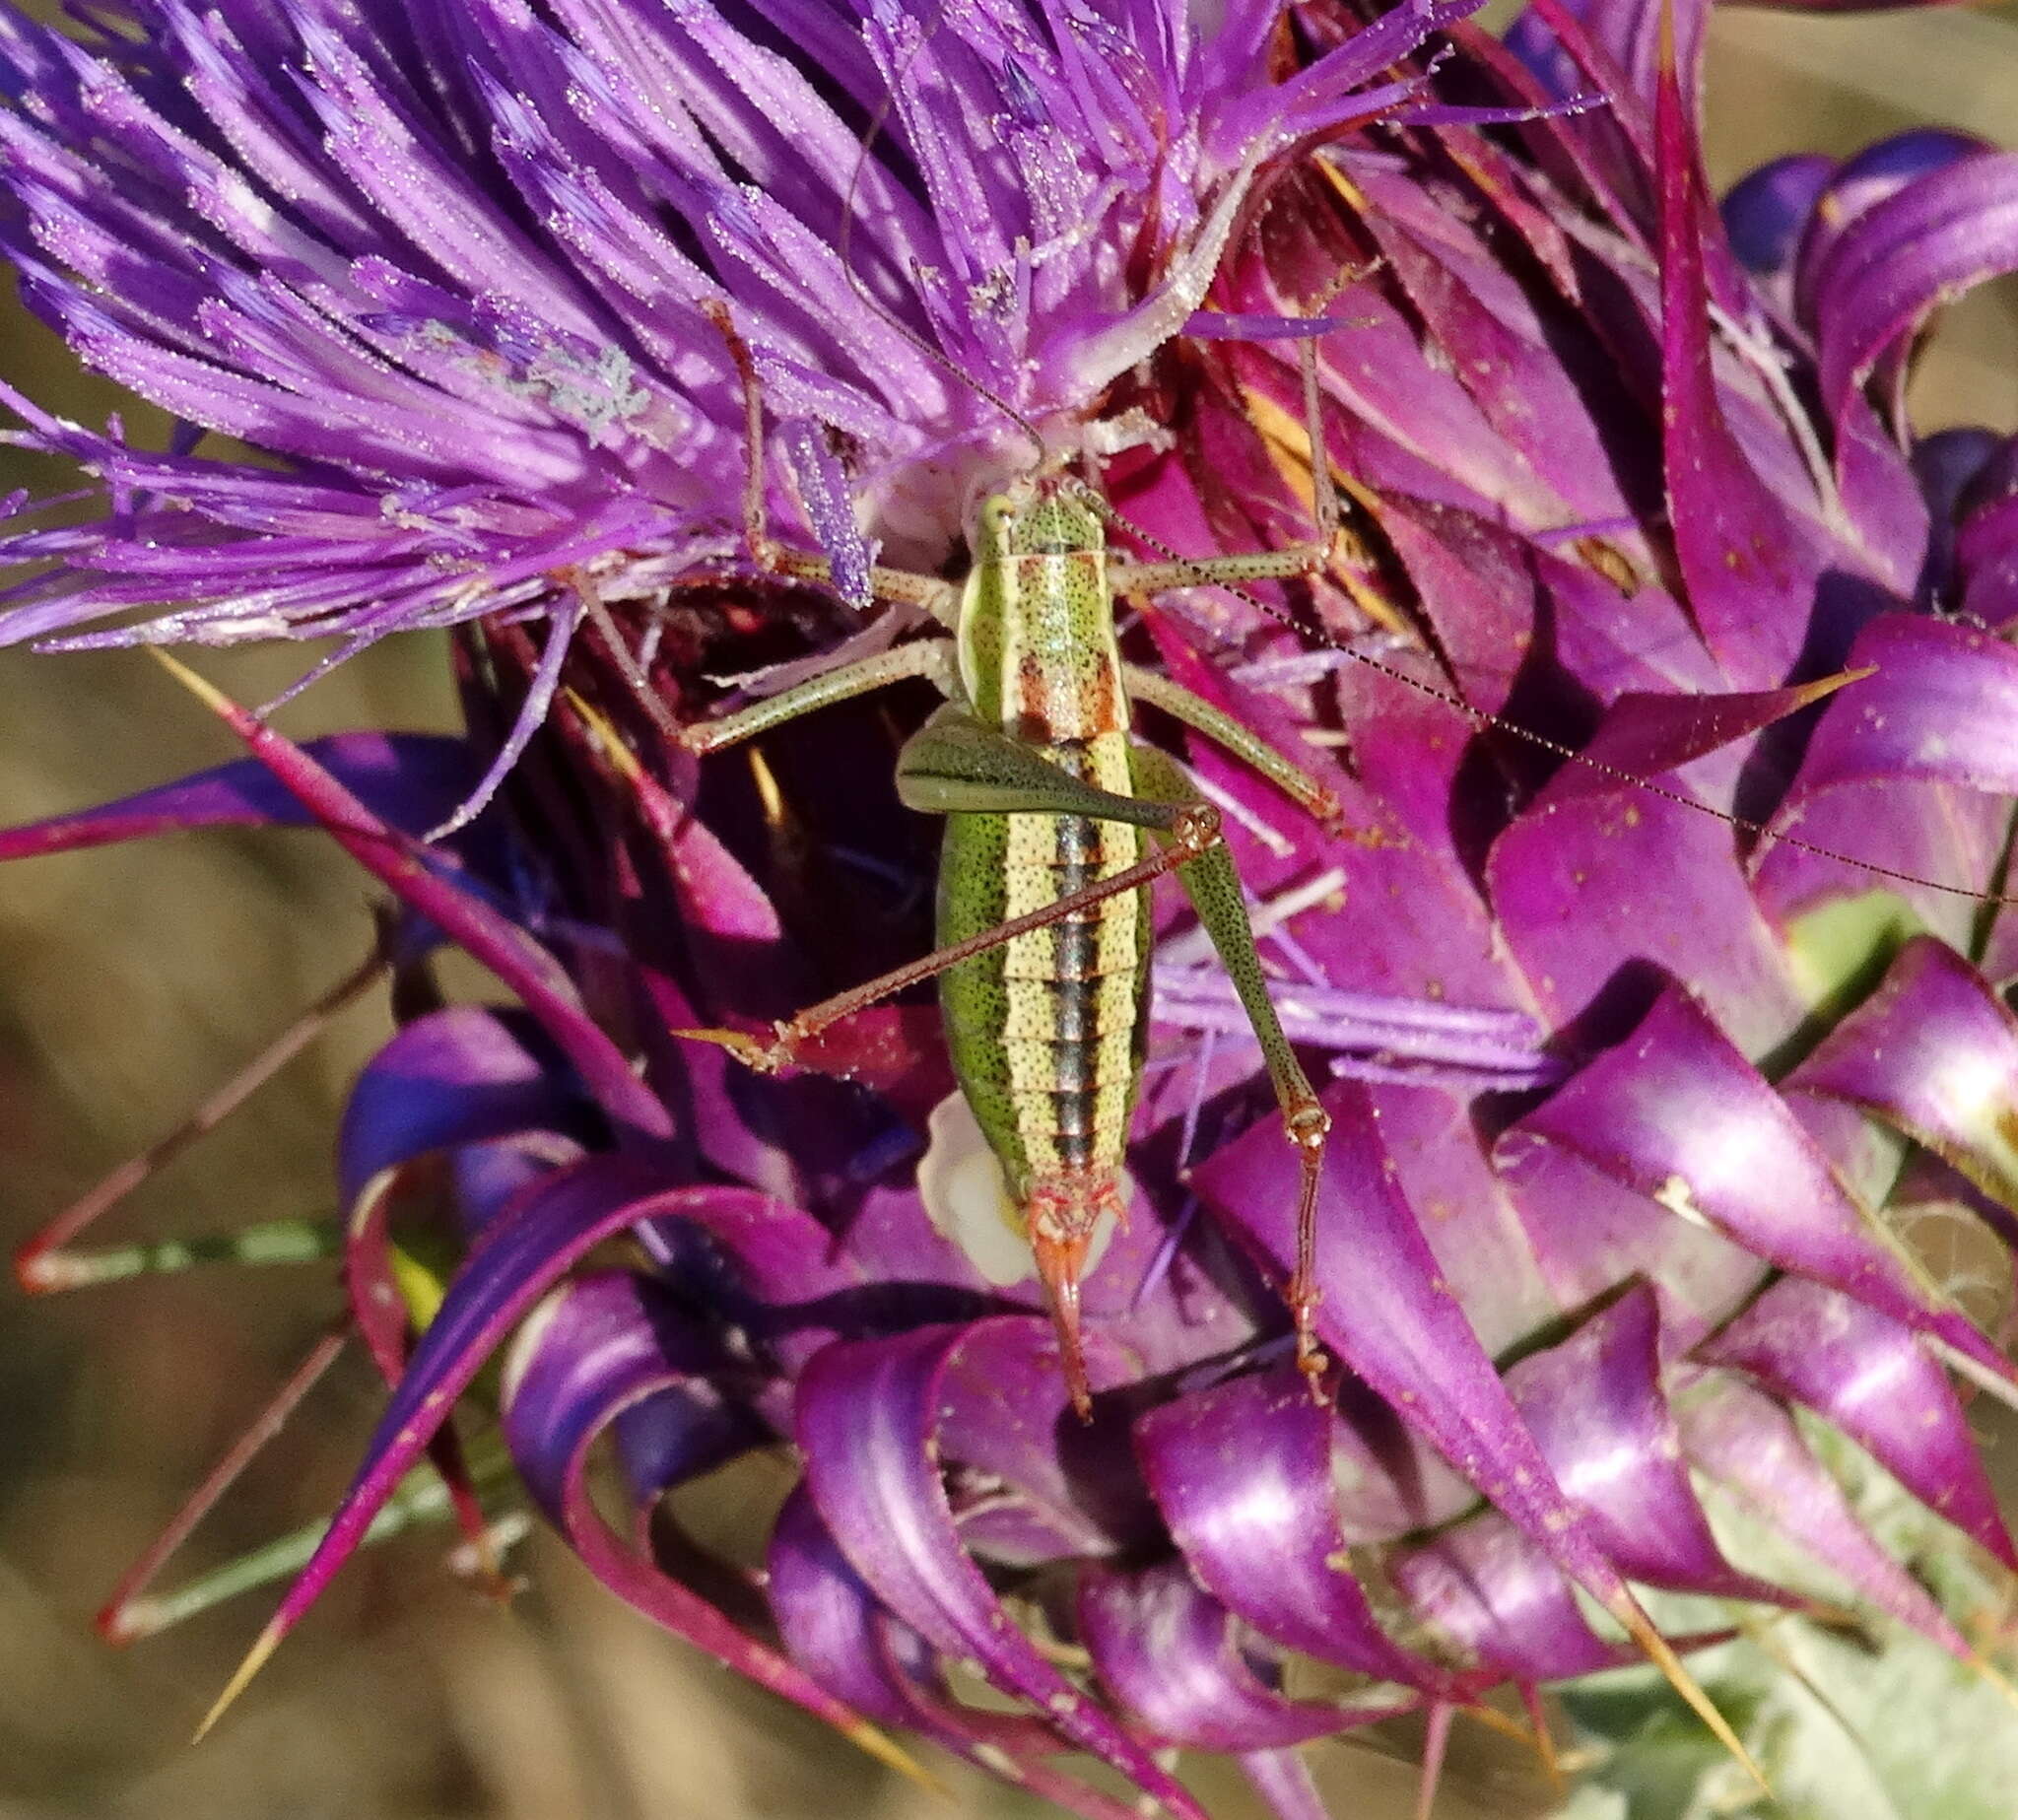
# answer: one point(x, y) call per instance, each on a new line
point(455, 263)
point(1638, 1065)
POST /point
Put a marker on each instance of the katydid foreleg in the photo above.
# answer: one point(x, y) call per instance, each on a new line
point(936, 597)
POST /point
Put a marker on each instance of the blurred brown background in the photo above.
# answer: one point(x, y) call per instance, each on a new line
point(133, 981)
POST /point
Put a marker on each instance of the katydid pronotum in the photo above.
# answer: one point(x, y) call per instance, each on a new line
point(1057, 820)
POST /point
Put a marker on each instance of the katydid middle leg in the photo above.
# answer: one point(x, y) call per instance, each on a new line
point(1197, 713)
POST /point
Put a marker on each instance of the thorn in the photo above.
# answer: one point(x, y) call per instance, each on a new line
point(206, 692)
point(875, 1742)
point(1995, 1676)
point(1544, 1738)
point(256, 1659)
point(1435, 1743)
point(1824, 686)
point(128, 1615)
point(1657, 1648)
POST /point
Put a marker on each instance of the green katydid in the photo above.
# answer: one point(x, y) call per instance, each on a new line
point(1057, 822)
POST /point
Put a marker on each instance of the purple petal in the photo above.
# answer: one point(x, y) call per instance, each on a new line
point(1740, 551)
point(1389, 1316)
point(1892, 769)
point(1933, 1052)
point(1596, 1407)
point(1931, 240)
point(1171, 1653)
point(1677, 1114)
point(1749, 1445)
point(1600, 880)
point(1494, 1594)
point(408, 779)
point(867, 1419)
point(509, 1269)
point(603, 1346)
point(834, 1628)
point(1872, 1378)
point(1767, 211)
point(407, 870)
point(457, 1076)
point(1483, 1250)
point(1243, 1474)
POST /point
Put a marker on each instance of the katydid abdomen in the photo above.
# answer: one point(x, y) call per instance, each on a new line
point(1046, 1030)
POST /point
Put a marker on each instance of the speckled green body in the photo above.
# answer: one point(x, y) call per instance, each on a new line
point(1047, 1031)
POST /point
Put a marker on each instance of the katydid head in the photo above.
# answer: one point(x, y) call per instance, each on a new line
point(1045, 516)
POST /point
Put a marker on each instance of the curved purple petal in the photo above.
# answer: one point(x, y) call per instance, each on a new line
point(1596, 1407)
point(1766, 213)
point(1875, 174)
point(1872, 1378)
point(1599, 879)
point(1933, 1052)
point(1742, 552)
point(600, 1347)
point(839, 1633)
point(1469, 1220)
point(1243, 1474)
point(603, 1346)
point(517, 1258)
point(867, 1417)
point(1591, 1233)
point(1746, 1443)
point(488, 1176)
point(408, 871)
point(1930, 239)
point(1389, 1316)
point(457, 1076)
point(1677, 1114)
point(1492, 1593)
point(1170, 1652)
point(998, 1416)
point(1892, 769)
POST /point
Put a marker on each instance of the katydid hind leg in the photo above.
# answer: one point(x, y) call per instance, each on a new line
point(1213, 884)
point(1195, 828)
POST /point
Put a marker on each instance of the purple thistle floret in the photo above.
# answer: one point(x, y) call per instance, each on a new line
point(1632, 1102)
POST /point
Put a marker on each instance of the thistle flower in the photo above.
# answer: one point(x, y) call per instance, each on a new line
point(1633, 1104)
